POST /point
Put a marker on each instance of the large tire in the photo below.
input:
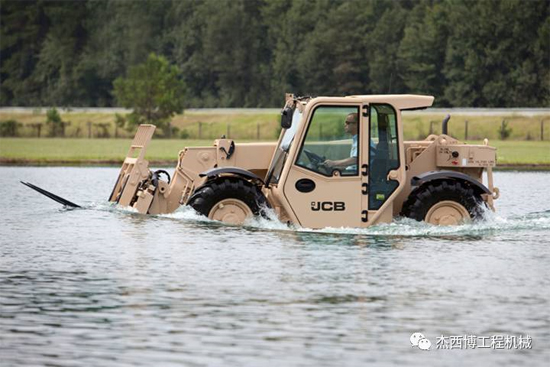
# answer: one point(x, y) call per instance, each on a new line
point(445, 202)
point(229, 200)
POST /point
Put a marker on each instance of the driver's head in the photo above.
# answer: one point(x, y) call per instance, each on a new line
point(351, 123)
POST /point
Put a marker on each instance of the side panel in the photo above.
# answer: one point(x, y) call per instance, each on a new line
point(423, 161)
point(253, 157)
point(195, 160)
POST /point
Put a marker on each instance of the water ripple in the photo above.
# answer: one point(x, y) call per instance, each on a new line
point(106, 286)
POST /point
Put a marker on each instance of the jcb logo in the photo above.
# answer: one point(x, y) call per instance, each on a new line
point(328, 206)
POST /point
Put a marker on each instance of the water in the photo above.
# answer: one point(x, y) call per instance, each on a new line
point(105, 286)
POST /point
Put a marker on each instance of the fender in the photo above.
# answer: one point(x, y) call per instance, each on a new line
point(438, 175)
point(211, 173)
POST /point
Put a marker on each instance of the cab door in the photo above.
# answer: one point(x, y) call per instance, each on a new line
point(386, 168)
point(324, 185)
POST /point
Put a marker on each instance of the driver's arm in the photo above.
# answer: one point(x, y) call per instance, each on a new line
point(341, 163)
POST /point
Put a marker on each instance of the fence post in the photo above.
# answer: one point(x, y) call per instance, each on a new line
point(466, 130)
point(64, 124)
point(89, 123)
point(38, 127)
point(200, 130)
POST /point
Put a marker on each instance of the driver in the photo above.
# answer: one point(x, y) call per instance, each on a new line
point(349, 164)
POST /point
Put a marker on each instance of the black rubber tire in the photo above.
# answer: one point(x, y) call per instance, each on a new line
point(211, 193)
point(423, 198)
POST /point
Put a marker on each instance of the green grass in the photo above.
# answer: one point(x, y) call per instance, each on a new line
point(523, 147)
point(252, 125)
point(114, 150)
point(194, 125)
point(520, 152)
point(82, 150)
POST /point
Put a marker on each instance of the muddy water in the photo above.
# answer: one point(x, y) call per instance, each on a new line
point(104, 286)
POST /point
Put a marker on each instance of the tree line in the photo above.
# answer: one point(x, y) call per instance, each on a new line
point(248, 53)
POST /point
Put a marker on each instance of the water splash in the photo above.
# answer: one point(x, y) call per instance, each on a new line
point(490, 223)
point(110, 207)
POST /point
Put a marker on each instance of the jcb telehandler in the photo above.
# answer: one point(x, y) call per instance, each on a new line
point(318, 176)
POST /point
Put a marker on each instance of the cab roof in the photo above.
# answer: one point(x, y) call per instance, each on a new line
point(399, 101)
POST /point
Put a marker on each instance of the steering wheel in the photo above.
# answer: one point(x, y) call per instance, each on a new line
point(317, 162)
point(314, 158)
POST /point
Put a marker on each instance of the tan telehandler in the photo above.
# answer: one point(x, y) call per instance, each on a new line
point(318, 176)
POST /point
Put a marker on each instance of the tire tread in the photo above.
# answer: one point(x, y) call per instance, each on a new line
point(205, 197)
point(424, 197)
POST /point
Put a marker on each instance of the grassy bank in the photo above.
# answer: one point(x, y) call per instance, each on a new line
point(190, 125)
point(520, 153)
point(165, 151)
point(82, 144)
point(264, 125)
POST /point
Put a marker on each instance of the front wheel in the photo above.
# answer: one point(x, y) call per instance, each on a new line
point(443, 203)
point(229, 200)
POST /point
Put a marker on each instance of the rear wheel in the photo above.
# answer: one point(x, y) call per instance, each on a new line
point(443, 203)
point(230, 200)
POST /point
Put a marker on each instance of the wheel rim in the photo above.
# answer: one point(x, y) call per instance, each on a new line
point(447, 213)
point(231, 211)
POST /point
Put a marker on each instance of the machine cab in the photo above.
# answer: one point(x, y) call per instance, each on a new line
point(345, 163)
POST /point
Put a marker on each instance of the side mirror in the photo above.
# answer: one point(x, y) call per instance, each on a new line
point(286, 117)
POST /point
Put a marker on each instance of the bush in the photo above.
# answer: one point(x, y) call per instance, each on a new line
point(9, 128)
point(504, 131)
point(175, 131)
point(184, 134)
point(55, 125)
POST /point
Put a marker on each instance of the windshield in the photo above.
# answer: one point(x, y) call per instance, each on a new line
point(282, 151)
point(288, 137)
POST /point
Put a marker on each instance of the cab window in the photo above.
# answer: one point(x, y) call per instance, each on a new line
point(331, 145)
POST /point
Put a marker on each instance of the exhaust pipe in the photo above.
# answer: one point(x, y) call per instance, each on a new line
point(445, 123)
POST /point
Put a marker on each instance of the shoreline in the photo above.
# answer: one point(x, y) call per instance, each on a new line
point(19, 162)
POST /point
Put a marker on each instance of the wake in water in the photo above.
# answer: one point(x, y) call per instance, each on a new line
point(491, 223)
